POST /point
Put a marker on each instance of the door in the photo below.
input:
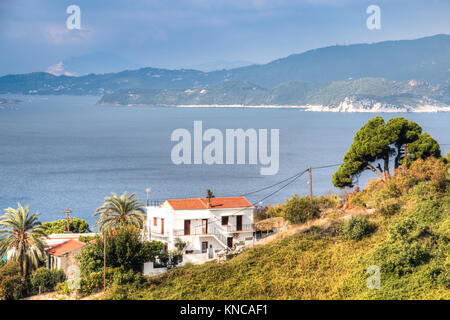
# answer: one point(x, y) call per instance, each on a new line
point(187, 227)
point(230, 242)
point(162, 226)
point(204, 226)
point(238, 223)
point(204, 246)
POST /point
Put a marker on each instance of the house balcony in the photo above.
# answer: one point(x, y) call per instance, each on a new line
point(154, 203)
point(211, 230)
point(250, 227)
point(158, 235)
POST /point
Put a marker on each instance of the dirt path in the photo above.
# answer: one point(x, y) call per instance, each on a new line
point(328, 217)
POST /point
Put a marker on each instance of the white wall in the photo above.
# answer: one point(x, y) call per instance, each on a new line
point(174, 221)
point(149, 270)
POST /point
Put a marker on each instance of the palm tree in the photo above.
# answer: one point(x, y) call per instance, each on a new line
point(119, 210)
point(20, 236)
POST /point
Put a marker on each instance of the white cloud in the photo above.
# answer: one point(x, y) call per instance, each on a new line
point(59, 34)
point(58, 69)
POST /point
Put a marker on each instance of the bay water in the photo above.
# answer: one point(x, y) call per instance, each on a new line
point(60, 152)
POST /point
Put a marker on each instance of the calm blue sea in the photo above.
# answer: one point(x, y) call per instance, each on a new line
point(64, 151)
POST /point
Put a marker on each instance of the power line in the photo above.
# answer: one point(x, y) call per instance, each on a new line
point(284, 186)
point(328, 166)
point(268, 196)
point(275, 184)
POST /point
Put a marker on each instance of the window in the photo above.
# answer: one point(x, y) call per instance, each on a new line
point(204, 246)
point(187, 227)
point(224, 221)
point(155, 222)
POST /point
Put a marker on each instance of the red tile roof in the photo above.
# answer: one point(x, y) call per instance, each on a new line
point(65, 247)
point(202, 203)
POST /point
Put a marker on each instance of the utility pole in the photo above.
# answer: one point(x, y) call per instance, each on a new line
point(149, 226)
point(406, 156)
point(67, 211)
point(310, 189)
point(148, 195)
point(104, 261)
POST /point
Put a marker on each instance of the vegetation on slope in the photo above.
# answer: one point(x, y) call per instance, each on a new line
point(368, 91)
point(409, 242)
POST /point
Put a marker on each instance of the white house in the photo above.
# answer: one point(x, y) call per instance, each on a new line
point(207, 227)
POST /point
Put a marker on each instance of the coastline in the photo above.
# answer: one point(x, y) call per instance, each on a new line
point(310, 108)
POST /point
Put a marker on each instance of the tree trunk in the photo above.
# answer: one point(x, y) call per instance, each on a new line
point(386, 167)
point(22, 275)
point(397, 158)
point(375, 171)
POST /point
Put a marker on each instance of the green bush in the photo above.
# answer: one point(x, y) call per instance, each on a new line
point(63, 288)
point(332, 201)
point(298, 210)
point(357, 228)
point(124, 248)
point(10, 282)
point(91, 283)
point(124, 284)
point(400, 257)
point(388, 207)
point(45, 280)
point(76, 225)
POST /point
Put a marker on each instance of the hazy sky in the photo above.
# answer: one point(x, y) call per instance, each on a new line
point(188, 33)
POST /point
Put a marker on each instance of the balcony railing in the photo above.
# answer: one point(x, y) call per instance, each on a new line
point(202, 230)
point(244, 227)
point(154, 203)
point(159, 234)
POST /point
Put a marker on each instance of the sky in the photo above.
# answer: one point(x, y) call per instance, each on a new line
point(202, 34)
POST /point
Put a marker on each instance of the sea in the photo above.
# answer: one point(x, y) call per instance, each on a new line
point(59, 152)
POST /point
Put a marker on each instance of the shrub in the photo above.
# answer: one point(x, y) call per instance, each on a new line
point(91, 283)
point(76, 225)
point(357, 228)
point(298, 210)
point(124, 248)
point(388, 207)
point(10, 281)
point(44, 280)
point(124, 284)
point(275, 211)
point(260, 213)
point(358, 200)
point(333, 201)
point(400, 257)
point(389, 191)
point(432, 170)
point(63, 288)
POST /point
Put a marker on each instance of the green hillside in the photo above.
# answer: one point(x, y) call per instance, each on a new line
point(408, 239)
point(394, 94)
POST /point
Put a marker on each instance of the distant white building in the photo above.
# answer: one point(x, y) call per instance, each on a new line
point(207, 227)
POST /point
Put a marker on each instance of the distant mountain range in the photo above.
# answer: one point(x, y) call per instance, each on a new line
point(325, 76)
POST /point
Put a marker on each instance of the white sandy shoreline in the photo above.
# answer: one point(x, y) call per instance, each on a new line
point(311, 108)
